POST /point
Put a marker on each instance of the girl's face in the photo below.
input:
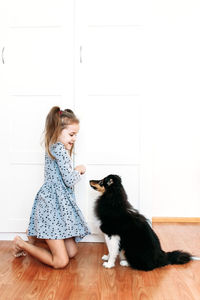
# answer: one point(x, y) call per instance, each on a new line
point(68, 135)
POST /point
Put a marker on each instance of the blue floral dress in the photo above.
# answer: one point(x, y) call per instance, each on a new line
point(55, 214)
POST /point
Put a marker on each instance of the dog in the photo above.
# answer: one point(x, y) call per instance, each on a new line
point(127, 232)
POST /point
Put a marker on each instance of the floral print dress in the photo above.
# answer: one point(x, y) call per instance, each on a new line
point(55, 214)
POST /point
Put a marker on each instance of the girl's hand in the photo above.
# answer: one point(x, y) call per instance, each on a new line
point(81, 169)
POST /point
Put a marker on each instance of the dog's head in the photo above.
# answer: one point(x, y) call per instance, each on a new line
point(105, 183)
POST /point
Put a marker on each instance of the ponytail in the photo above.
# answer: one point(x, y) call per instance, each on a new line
point(56, 121)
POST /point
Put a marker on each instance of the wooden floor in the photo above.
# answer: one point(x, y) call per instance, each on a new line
point(85, 278)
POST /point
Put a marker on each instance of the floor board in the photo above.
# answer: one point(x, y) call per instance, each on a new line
point(85, 278)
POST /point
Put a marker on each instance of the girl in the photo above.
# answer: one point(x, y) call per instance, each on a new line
point(55, 215)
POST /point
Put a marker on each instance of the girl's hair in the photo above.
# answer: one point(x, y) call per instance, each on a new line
point(56, 121)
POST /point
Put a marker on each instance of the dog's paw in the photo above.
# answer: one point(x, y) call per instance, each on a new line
point(124, 263)
point(105, 257)
point(108, 265)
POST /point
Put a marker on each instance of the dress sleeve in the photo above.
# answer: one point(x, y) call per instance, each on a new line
point(63, 160)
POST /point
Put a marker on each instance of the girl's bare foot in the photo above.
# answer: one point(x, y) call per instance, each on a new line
point(18, 247)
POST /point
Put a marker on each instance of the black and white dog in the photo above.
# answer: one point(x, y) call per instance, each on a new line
point(127, 232)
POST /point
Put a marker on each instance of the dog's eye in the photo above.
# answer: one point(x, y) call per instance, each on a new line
point(110, 181)
point(101, 182)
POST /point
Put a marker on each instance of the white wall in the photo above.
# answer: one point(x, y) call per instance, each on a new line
point(175, 96)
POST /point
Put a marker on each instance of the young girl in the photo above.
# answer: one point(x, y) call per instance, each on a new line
point(55, 215)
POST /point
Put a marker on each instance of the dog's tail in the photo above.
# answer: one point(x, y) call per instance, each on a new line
point(178, 257)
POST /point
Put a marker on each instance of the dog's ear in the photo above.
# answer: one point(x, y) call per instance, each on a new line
point(110, 181)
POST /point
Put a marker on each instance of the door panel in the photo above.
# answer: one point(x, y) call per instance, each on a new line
point(113, 12)
point(113, 60)
point(109, 79)
point(40, 55)
point(38, 72)
point(112, 128)
point(47, 13)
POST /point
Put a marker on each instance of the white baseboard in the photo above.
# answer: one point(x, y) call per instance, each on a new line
point(176, 220)
point(94, 238)
point(9, 236)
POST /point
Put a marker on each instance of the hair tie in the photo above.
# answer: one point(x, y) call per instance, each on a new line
point(60, 112)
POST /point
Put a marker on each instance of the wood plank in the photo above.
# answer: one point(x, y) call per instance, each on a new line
point(85, 278)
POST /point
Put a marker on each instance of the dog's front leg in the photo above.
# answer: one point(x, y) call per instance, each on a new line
point(106, 256)
point(113, 250)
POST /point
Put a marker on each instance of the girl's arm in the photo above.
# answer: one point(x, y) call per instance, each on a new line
point(70, 176)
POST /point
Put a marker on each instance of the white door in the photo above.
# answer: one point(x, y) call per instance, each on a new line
point(115, 135)
point(37, 65)
point(38, 57)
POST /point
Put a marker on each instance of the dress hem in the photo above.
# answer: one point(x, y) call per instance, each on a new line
point(76, 237)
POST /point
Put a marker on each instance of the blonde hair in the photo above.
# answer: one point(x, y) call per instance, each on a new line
point(56, 121)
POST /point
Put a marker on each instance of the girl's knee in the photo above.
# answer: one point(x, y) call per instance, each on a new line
point(71, 247)
point(59, 263)
point(73, 252)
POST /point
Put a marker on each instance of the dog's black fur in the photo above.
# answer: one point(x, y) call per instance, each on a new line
point(140, 243)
